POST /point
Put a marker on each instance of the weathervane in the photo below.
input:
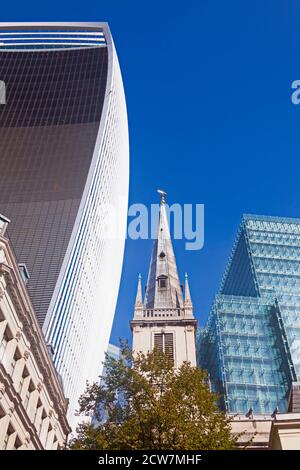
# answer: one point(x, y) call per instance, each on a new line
point(163, 194)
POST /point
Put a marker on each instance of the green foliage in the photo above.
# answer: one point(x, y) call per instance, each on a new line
point(161, 408)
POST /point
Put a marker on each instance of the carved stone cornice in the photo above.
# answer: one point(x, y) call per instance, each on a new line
point(163, 322)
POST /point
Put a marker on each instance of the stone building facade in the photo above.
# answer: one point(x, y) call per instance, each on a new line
point(32, 403)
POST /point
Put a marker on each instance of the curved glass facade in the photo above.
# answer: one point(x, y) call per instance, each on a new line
point(48, 131)
point(64, 173)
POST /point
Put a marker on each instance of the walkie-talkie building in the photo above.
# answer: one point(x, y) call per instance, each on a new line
point(251, 343)
point(64, 171)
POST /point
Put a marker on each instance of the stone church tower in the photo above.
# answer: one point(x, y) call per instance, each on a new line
point(164, 318)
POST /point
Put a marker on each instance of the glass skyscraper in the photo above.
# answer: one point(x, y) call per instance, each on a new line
point(251, 342)
point(64, 172)
point(100, 416)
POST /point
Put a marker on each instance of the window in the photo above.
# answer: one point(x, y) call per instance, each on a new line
point(162, 282)
point(158, 342)
point(164, 342)
point(2, 225)
point(3, 220)
point(169, 346)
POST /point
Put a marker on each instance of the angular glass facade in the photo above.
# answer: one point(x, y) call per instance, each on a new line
point(64, 172)
point(251, 343)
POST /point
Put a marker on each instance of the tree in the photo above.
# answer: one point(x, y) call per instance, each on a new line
point(143, 403)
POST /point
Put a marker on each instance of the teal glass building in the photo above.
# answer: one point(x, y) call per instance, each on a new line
point(251, 343)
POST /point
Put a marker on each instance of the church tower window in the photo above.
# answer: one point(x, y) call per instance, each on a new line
point(162, 282)
point(164, 342)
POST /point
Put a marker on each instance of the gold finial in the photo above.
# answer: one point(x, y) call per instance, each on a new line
point(163, 194)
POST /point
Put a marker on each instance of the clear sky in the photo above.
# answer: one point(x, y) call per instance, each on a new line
point(208, 86)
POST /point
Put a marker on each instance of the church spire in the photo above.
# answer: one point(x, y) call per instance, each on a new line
point(187, 293)
point(139, 296)
point(163, 286)
point(188, 304)
point(165, 320)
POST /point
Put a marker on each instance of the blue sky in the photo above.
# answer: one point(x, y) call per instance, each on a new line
point(208, 87)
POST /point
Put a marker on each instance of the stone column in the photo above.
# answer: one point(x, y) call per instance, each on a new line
point(31, 408)
point(18, 371)
point(38, 418)
point(44, 431)
point(50, 439)
point(9, 354)
point(27, 442)
point(11, 441)
point(3, 324)
point(55, 445)
point(25, 387)
point(4, 422)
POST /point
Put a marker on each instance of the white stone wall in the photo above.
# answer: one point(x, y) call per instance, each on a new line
point(279, 432)
point(254, 433)
point(285, 432)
